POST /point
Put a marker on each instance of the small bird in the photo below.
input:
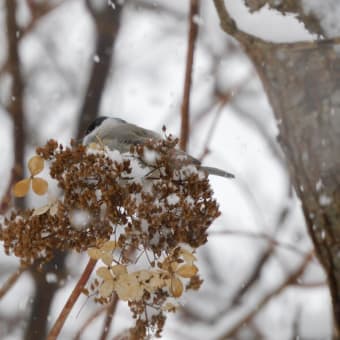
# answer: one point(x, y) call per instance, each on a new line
point(117, 134)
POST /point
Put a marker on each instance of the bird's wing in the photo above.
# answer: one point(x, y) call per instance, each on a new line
point(141, 133)
point(182, 154)
point(126, 135)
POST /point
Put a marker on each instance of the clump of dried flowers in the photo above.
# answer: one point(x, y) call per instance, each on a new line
point(142, 215)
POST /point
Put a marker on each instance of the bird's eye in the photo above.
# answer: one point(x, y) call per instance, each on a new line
point(94, 124)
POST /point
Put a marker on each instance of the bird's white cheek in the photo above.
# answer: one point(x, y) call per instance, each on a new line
point(88, 139)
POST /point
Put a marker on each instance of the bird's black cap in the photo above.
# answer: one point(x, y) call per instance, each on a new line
point(94, 124)
point(98, 121)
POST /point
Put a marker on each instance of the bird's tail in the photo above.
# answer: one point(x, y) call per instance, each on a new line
point(218, 172)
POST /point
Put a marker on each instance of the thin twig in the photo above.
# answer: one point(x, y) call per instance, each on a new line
point(253, 276)
point(39, 11)
point(11, 281)
point(229, 26)
point(78, 289)
point(212, 130)
point(6, 199)
point(89, 320)
point(310, 285)
point(109, 316)
point(263, 236)
point(262, 303)
point(222, 98)
point(193, 33)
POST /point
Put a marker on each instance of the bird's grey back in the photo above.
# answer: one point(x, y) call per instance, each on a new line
point(122, 136)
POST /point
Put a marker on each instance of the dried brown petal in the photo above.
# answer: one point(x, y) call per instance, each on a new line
point(187, 270)
point(119, 270)
point(21, 188)
point(94, 253)
point(35, 165)
point(176, 287)
point(169, 307)
point(188, 257)
point(54, 208)
point(127, 288)
point(39, 185)
point(104, 273)
point(41, 210)
point(109, 245)
point(106, 289)
point(107, 258)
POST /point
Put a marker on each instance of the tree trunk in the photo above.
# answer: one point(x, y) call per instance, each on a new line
point(302, 81)
point(303, 88)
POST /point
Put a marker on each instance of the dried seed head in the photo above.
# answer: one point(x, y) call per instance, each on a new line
point(150, 205)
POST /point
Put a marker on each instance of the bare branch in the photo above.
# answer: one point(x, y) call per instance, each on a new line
point(107, 24)
point(11, 281)
point(38, 11)
point(15, 105)
point(193, 32)
point(262, 303)
point(270, 239)
point(6, 199)
point(254, 275)
point(78, 289)
point(229, 26)
point(109, 316)
point(89, 320)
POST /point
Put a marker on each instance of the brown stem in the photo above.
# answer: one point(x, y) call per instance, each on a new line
point(192, 37)
point(108, 319)
point(89, 320)
point(11, 281)
point(6, 199)
point(78, 289)
point(15, 104)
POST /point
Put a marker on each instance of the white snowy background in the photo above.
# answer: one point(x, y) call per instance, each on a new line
point(145, 87)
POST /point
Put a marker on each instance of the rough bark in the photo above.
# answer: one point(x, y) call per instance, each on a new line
point(302, 81)
point(303, 87)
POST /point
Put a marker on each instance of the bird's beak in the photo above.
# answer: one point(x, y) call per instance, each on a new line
point(79, 141)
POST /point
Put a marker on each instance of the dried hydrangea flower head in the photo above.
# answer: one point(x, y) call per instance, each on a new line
point(142, 223)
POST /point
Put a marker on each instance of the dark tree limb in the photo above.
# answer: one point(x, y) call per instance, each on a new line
point(43, 296)
point(185, 108)
point(107, 23)
point(15, 103)
point(303, 85)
